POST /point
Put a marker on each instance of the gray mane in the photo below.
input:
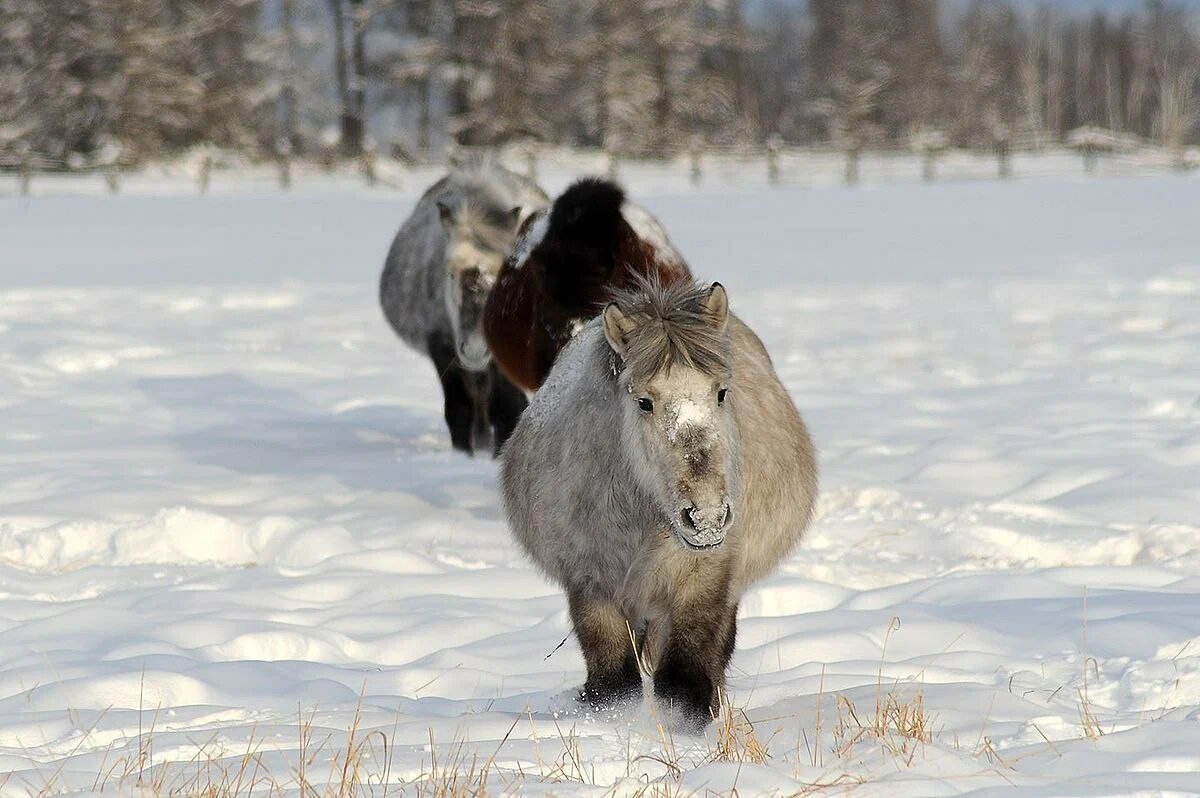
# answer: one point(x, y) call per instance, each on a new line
point(672, 328)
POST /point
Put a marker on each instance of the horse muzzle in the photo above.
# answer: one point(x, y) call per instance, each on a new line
point(704, 528)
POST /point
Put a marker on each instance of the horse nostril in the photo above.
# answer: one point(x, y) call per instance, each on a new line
point(686, 515)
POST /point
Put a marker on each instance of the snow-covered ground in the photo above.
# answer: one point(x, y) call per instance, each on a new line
point(234, 542)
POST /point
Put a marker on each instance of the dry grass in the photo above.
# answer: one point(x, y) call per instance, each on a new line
point(358, 762)
point(215, 771)
point(900, 726)
point(457, 776)
point(736, 738)
point(1087, 715)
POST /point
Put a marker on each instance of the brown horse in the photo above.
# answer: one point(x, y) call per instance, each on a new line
point(565, 266)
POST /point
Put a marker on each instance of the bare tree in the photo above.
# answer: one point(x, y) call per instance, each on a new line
point(987, 73)
point(637, 76)
point(852, 68)
point(349, 18)
point(1169, 74)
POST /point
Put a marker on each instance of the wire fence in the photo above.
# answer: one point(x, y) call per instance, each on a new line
point(694, 166)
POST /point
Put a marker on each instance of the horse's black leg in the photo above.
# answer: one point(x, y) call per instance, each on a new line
point(691, 671)
point(507, 402)
point(730, 638)
point(612, 667)
point(480, 383)
point(459, 404)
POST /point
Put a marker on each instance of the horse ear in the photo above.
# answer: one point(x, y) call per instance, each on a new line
point(617, 327)
point(445, 212)
point(716, 304)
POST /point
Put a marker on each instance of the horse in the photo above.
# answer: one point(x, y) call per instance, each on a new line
point(436, 279)
point(566, 261)
point(658, 473)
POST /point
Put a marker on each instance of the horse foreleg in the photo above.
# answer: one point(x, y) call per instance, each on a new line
point(690, 675)
point(480, 385)
point(507, 402)
point(612, 667)
point(456, 390)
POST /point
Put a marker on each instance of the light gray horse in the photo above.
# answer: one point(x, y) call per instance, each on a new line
point(435, 283)
point(659, 471)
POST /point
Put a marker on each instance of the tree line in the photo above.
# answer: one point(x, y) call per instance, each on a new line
point(151, 78)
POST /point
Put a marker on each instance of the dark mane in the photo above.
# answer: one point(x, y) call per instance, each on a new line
point(671, 327)
point(581, 243)
point(563, 269)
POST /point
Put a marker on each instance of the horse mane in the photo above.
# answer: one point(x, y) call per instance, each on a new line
point(670, 326)
point(581, 243)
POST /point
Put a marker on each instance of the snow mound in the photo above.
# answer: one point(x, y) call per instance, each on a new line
point(178, 536)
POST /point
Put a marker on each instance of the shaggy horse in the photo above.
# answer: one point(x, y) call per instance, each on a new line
point(436, 279)
point(566, 263)
point(659, 472)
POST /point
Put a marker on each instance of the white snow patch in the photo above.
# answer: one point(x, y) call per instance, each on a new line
point(688, 413)
point(267, 300)
point(177, 535)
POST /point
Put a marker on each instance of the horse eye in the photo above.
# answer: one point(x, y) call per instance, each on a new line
point(646, 405)
point(721, 396)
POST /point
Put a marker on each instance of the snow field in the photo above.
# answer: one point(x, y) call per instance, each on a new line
point(230, 520)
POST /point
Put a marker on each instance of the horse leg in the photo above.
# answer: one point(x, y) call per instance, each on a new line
point(507, 402)
point(459, 405)
point(691, 671)
point(612, 667)
point(480, 384)
point(730, 638)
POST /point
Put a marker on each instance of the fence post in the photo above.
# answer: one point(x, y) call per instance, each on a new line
point(853, 151)
point(1179, 159)
point(112, 172)
point(773, 144)
point(694, 150)
point(614, 166)
point(25, 169)
point(1089, 158)
point(929, 142)
point(1003, 161)
point(206, 167)
point(283, 154)
point(367, 160)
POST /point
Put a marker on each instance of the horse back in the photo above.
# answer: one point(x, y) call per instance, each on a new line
point(779, 464)
point(567, 275)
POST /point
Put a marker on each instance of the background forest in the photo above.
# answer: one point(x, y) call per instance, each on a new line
point(147, 79)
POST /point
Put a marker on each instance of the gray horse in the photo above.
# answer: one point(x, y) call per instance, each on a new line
point(435, 283)
point(659, 471)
